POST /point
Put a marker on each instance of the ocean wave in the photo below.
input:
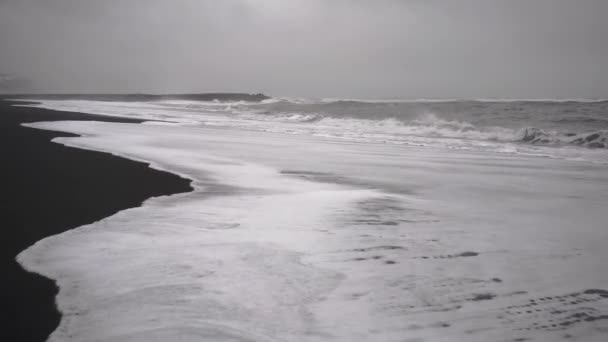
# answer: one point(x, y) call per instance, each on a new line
point(354, 100)
point(427, 125)
point(449, 100)
point(596, 139)
point(430, 126)
point(556, 100)
point(279, 117)
point(564, 129)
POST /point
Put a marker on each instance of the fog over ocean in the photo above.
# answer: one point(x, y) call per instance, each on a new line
point(342, 220)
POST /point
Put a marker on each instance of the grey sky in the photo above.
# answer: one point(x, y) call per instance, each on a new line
point(312, 48)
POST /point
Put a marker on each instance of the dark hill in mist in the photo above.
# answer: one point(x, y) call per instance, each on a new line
point(221, 97)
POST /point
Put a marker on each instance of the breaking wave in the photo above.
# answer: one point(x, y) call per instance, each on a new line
point(429, 125)
point(597, 139)
point(537, 127)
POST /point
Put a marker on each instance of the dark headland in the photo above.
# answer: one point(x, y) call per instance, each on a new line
point(47, 189)
point(220, 97)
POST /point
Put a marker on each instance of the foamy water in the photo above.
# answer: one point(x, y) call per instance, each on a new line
point(322, 237)
point(565, 129)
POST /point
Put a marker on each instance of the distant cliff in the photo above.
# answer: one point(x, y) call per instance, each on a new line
point(11, 84)
point(221, 97)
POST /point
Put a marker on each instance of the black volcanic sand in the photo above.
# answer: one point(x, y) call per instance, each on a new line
point(47, 189)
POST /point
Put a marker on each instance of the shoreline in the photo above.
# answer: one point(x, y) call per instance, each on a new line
point(326, 231)
point(331, 228)
point(51, 188)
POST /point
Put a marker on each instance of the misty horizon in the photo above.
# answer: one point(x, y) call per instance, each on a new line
point(469, 49)
point(92, 96)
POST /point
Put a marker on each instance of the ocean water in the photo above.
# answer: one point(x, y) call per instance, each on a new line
point(572, 129)
point(334, 220)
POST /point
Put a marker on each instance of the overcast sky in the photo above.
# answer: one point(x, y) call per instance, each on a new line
point(310, 48)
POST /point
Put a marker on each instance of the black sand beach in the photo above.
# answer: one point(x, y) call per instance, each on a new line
point(47, 189)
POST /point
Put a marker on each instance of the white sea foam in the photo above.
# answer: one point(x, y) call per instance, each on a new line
point(297, 238)
point(425, 129)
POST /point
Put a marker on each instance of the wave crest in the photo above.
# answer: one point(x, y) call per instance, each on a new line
point(597, 139)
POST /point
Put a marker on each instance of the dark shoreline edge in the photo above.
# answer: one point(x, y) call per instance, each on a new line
point(50, 188)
